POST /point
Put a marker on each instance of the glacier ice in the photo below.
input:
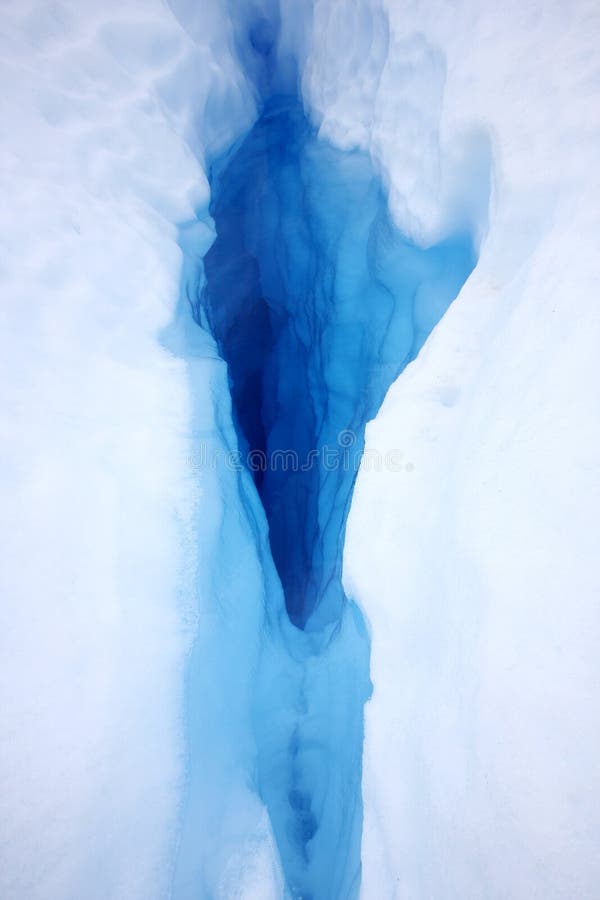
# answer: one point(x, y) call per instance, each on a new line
point(316, 303)
point(475, 568)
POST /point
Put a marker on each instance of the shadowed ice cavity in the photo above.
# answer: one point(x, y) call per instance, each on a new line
point(316, 302)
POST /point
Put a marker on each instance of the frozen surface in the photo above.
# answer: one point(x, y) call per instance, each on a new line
point(316, 302)
point(129, 623)
point(101, 500)
point(477, 568)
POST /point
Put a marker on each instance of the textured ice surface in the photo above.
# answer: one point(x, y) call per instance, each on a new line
point(476, 567)
point(477, 570)
point(100, 510)
point(316, 302)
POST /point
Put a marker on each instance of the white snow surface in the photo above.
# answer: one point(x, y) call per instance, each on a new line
point(476, 566)
point(101, 501)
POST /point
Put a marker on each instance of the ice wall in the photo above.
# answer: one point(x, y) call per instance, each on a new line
point(477, 569)
point(316, 302)
point(103, 509)
point(475, 565)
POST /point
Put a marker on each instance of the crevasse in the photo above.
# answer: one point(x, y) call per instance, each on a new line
point(316, 303)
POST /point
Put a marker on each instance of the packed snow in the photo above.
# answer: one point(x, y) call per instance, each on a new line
point(141, 665)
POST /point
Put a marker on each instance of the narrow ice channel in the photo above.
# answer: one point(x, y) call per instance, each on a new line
point(316, 302)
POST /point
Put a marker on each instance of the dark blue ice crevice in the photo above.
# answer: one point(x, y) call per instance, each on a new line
point(316, 303)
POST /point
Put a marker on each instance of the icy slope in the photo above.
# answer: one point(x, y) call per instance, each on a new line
point(146, 656)
point(102, 505)
point(477, 567)
point(316, 302)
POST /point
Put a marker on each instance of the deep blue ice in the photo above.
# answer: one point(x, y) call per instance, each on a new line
point(316, 302)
